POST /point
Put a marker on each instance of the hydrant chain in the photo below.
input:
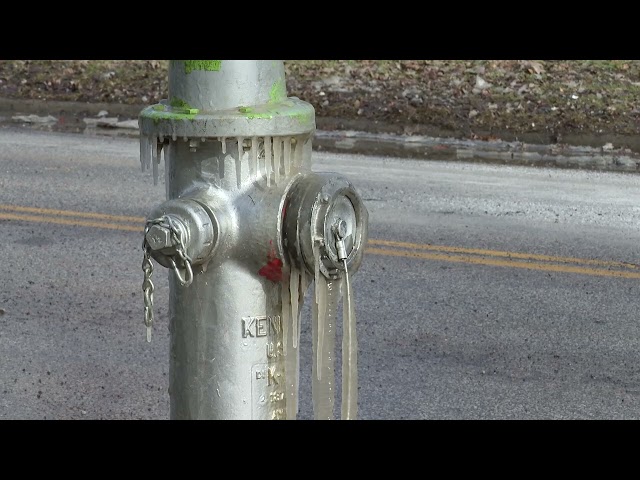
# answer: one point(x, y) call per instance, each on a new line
point(168, 224)
point(188, 278)
point(176, 239)
point(147, 288)
point(176, 236)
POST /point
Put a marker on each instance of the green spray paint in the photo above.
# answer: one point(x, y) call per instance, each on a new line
point(251, 113)
point(303, 116)
point(251, 116)
point(180, 104)
point(278, 91)
point(157, 115)
point(288, 108)
point(207, 65)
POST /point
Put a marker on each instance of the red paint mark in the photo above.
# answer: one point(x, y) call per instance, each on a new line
point(273, 269)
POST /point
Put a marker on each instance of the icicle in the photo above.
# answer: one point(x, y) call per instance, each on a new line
point(298, 154)
point(149, 153)
point(316, 347)
point(287, 156)
point(174, 137)
point(317, 335)
point(254, 157)
point(156, 164)
point(308, 151)
point(290, 354)
point(166, 154)
point(286, 308)
point(294, 285)
point(323, 390)
point(239, 162)
point(349, 353)
point(277, 148)
point(154, 159)
point(223, 141)
point(144, 151)
point(267, 159)
point(321, 302)
point(294, 367)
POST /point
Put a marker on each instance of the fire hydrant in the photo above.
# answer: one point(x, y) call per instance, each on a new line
point(245, 230)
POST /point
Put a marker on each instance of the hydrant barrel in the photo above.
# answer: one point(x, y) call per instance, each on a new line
point(245, 230)
point(226, 327)
point(235, 83)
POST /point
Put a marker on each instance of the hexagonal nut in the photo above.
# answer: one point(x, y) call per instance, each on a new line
point(159, 237)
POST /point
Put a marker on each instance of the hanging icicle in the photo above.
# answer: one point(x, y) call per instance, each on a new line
point(267, 160)
point(349, 352)
point(239, 162)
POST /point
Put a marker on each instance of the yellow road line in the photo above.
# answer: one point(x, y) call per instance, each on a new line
point(498, 253)
point(69, 213)
point(480, 259)
point(503, 263)
point(69, 221)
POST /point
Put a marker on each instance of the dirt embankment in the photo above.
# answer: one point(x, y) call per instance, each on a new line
point(545, 101)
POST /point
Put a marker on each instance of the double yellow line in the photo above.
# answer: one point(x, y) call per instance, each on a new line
point(67, 217)
point(439, 253)
point(497, 258)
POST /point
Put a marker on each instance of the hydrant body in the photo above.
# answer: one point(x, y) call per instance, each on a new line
point(226, 327)
point(233, 229)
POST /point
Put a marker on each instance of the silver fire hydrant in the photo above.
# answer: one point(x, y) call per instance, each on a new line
point(246, 229)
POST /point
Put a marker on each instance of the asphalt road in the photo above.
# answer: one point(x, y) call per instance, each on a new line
point(487, 292)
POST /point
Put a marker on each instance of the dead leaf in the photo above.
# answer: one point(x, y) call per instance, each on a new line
point(533, 67)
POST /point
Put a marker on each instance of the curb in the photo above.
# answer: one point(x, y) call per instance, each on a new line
point(83, 117)
point(605, 158)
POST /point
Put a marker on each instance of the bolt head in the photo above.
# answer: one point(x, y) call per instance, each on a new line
point(158, 238)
